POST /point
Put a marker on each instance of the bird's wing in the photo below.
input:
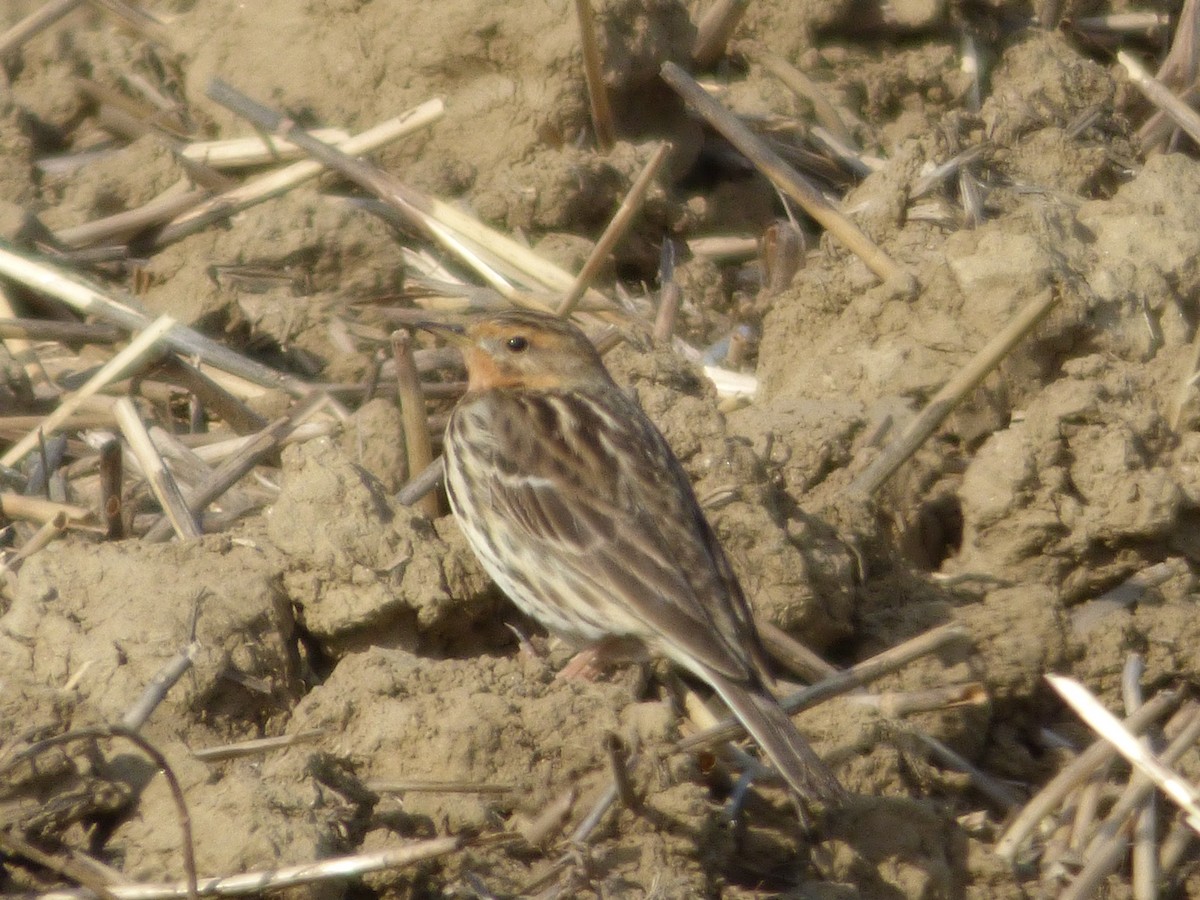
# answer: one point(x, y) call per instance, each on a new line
point(590, 483)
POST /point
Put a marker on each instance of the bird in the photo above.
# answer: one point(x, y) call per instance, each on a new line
point(580, 512)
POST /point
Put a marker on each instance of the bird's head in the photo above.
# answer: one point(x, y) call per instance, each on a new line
point(520, 349)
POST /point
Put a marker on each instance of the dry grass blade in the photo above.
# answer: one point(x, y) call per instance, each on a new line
point(539, 272)
point(140, 350)
point(238, 465)
point(126, 224)
point(278, 183)
point(237, 153)
point(38, 509)
point(784, 176)
point(945, 400)
point(161, 482)
point(38, 20)
point(1161, 96)
point(257, 746)
point(335, 869)
point(1098, 754)
point(44, 278)
point(616, 229)
point(1180, 791)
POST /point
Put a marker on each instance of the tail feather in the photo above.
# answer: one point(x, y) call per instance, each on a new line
point(775, 733)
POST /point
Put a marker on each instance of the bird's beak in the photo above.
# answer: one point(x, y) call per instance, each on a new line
point(453, 334)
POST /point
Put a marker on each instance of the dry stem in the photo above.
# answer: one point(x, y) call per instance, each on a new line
point(418, 447)
point(955, 390)
point(139, 351)
point(157, 475)
point(783, 176)
point(616, 229)
point(40, 276)
point(602, 116)
point(1099, 753)
point(715, 28)
point(841, 683)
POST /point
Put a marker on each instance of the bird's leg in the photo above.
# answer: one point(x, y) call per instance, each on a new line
point(591, 662)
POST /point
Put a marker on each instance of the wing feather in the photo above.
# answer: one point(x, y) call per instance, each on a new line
point(619, 510)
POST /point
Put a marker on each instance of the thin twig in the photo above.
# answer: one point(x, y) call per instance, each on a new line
point(783, 176)
point(417, 444)
point(1180, 791)
point(258, 746)
point(803, 86)
point(670, 295)
point(793, 654)
point(895, 704)
point(593, 71)
point(615, 231)
point(1100, 752)
point(21, 347)
point(16, 847)
point(995, 790)
point(406, 199)
point(139, 351)
point(954, 392)
point(41, 538)
point(160, 684)
point(126, 224)
point(157, 475)
point(421, 484)
point(1145, 827)
point(1087, 615)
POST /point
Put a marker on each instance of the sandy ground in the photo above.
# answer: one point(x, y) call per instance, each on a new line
point(1071, 469)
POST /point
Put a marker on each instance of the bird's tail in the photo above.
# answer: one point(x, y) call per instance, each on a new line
point(771, 728)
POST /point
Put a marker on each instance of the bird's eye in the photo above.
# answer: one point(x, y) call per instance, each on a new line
point(517, 344)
